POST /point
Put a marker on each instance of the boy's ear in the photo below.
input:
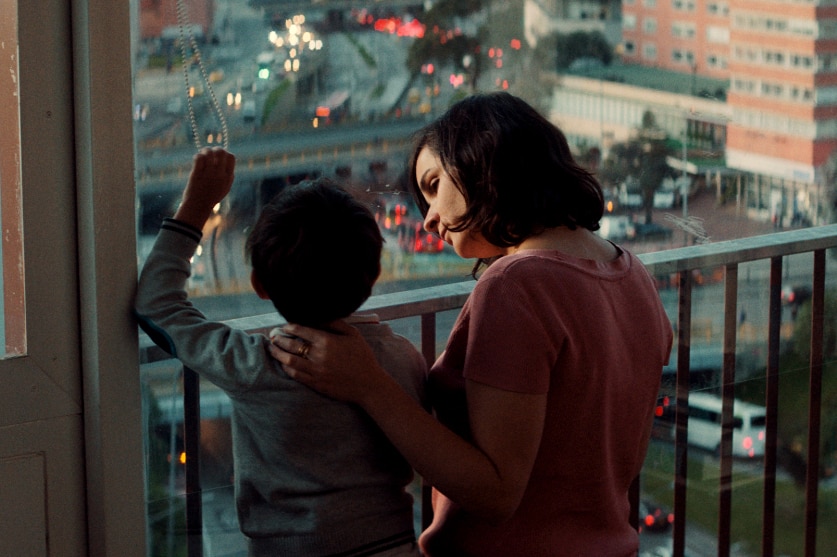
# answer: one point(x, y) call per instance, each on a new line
point(257, 286)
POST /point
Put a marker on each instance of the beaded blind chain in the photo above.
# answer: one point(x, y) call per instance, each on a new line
point(193, 44)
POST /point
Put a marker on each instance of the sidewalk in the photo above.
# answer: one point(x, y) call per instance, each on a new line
point(718, 223)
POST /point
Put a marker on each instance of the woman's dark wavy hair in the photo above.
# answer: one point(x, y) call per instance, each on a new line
point(514, 168)
point(316, 250)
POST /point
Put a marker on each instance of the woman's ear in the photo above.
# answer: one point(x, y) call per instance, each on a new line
point(257, 286)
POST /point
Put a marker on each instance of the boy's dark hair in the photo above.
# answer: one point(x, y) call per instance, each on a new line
point(316, 251)
point(514, 168)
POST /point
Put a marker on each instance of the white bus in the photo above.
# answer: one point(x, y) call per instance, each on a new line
point(705, 425)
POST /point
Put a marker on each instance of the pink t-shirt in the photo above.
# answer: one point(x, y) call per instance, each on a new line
point(594, 337)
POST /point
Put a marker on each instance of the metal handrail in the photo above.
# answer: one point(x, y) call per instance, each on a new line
point(728, 255)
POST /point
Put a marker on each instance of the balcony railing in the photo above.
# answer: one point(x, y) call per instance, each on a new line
point(724, 299)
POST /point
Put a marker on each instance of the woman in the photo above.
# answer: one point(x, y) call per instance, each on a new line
point(545, 392)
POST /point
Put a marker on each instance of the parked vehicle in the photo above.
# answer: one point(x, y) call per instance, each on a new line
point(794, 297)
point(617, 228)
point(248, 110)
point(652, 232)
point(704, 427)
point(653, 518)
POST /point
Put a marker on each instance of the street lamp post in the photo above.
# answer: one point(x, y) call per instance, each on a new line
point(684, 187)
point(694, 79)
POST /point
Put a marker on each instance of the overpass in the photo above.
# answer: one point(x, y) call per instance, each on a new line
point(301, 6)
point(322, 151)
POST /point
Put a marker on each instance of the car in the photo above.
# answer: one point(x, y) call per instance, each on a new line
point(652, 231)
point(796, 295)
point(653, 518)
point(617, 228)
point(664, 199)
point(248, 110)
point(428, 243)
point(586, 63)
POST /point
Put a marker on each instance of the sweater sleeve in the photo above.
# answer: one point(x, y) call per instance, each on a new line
point(230, 358)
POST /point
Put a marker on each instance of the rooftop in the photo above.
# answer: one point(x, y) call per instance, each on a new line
point(685, 83)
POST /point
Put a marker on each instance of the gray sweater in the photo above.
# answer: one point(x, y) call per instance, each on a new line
point(313, 476)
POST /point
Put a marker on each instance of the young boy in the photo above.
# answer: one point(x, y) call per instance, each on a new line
point(313, 476)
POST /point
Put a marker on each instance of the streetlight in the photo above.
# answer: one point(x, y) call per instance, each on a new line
point(694, 78)
point(684, 184)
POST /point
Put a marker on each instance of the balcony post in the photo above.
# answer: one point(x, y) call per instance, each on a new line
point(772, 405)
point(192, 444)
point(815, 403)
point(681, 451)
point(728, 396)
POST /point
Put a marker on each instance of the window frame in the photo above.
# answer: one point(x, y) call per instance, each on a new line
point(105, 200)
point(79, 379)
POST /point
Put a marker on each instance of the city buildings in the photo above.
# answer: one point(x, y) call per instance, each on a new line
point(158, 19)
point(774, 119)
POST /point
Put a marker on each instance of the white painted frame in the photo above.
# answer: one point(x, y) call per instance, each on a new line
point(70, 416)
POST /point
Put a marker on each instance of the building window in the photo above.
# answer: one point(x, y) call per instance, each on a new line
point(801, 61)
point(717, 9)
point(683, 30)
point(774, 57)
point(683, 5)
point(679, 56)
point(717, 35)
point(716, 61)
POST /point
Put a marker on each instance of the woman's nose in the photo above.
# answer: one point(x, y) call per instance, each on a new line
point(431, 220)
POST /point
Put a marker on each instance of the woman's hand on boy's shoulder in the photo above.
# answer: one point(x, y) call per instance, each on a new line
point(336, 362)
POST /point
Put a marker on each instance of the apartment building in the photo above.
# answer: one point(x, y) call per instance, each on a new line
point(158, 19)
point(679, 35)
point(542, 17)
point(780, 58)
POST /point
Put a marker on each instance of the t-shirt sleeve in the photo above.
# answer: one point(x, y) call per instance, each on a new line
point(513, 342)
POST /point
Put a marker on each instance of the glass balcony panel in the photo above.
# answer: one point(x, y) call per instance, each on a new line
point(345, 109)
point(711, 475)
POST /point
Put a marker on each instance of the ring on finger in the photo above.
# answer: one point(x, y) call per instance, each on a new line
point(303, 349)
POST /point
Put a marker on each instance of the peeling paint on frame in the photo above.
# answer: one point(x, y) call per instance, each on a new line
point(12, 302)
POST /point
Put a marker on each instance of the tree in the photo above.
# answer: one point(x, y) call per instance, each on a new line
point(802, 328)
point(440, 49)
point(441, 44)
point(654, 169)
point(641, 161)
point(582, 44)
point(795, 387)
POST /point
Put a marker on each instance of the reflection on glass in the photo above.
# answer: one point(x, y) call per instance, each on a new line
point(338, 93)
point(295, 95)
point(12, 313)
